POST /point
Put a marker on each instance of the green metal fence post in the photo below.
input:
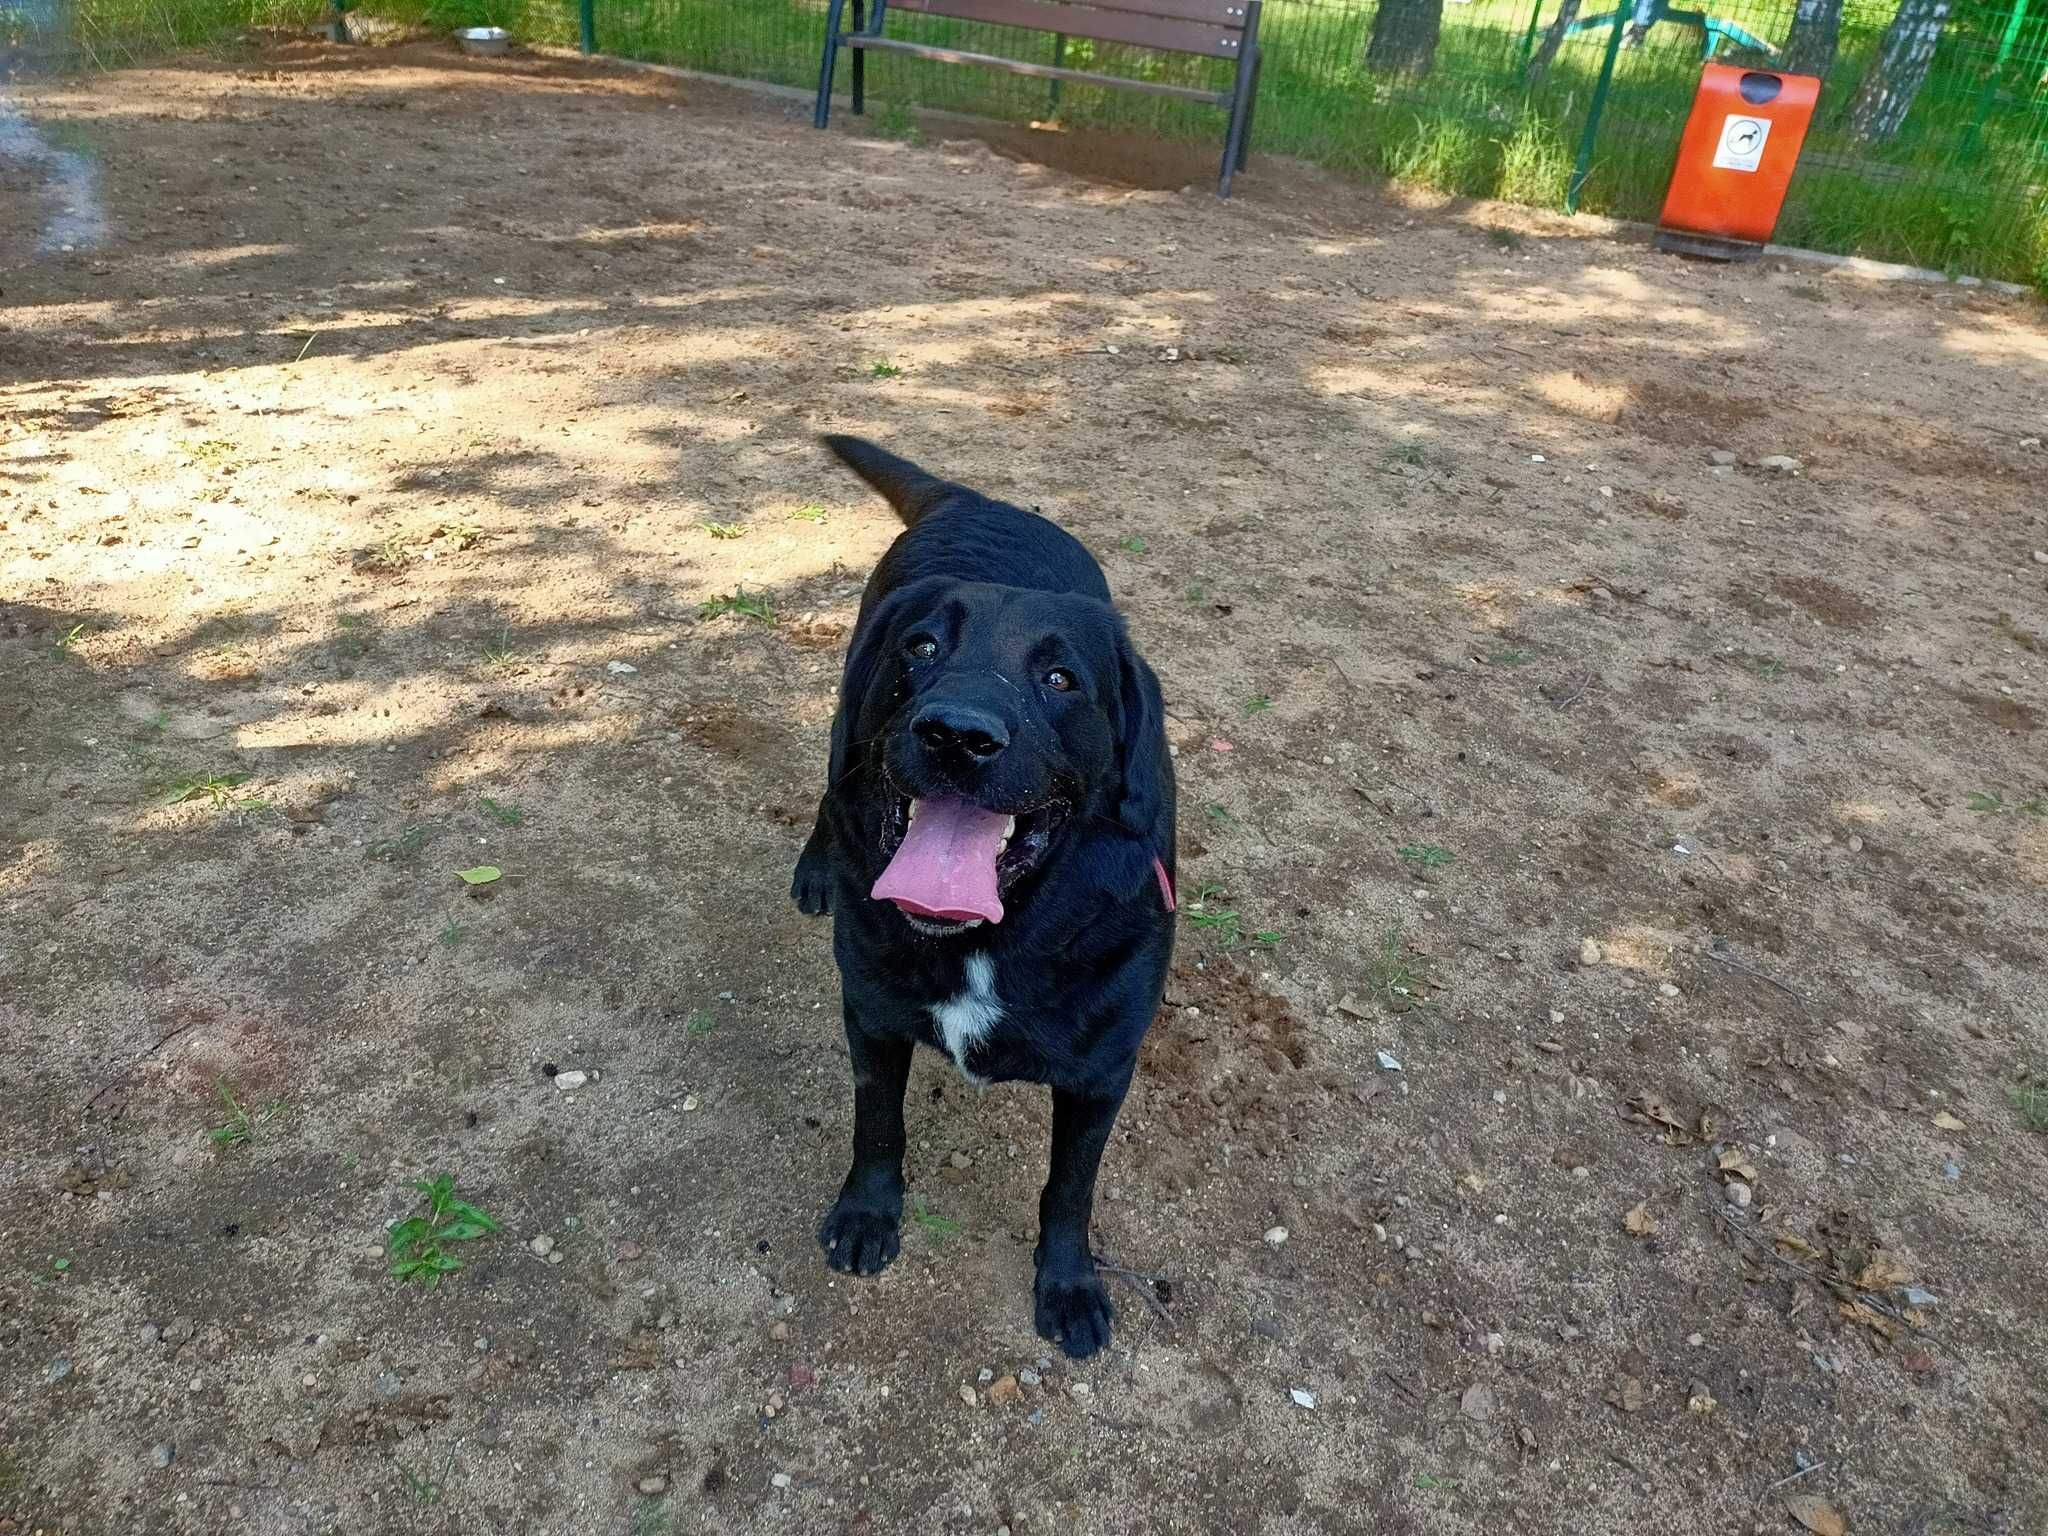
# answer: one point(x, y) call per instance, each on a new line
point(1584, 169)
point(1529, 37)
point(1990, 92)
point(587, 14)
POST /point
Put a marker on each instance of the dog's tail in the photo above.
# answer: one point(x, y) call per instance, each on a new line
point(911, 491)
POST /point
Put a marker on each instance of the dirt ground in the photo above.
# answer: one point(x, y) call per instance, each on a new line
point(364, 481)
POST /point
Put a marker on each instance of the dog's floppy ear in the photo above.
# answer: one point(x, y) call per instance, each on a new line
point(870, 640)
point(1142, 747)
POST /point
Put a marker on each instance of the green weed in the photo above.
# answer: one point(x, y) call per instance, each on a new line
point(503, 812)
point(939, 1227)
point(1399, 982)
point(2030, 1098)
point(242, 1123)
point(1511, 658)
point(405, 846)
point(419, 1244)
point(69, 638)
point(1226, 924)
point(810, 514)
point(1535, 165)
point(1428, 855)
point(698, 1023)
point(1222, 817)
point(392, 555)
point(725, 530)
point(898, 121)
point(882, 368)
point(1257, 704)
point(1410, 454)
point(453, 933)
point(353, 636)
point(1132, 545)
point(217, 789)
point(737, 602)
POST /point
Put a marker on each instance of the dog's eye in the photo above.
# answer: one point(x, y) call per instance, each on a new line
point(1059, 681)
point(923, 647)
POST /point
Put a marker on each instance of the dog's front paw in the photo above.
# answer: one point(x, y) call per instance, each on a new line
point(1073, 1311)
point(811, 889)
point(860, 1239)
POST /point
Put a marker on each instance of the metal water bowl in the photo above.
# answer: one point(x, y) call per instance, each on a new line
point(484, 42)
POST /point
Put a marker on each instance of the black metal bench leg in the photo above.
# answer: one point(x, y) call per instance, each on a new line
point(1241, 99)
point(1251, 112)
point(860, 63)
point(825, 65)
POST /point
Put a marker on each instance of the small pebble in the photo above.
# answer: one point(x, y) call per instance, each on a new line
point(1302, 1397)
point(1739, 1194)
point(1783, 463)
point(1556, 1016)
point(58, 1370)
point(779, 1331)
point(569, 1082)
point(541, 1246)
point(162, 1454)
point(1590, 952)
point(780, 1480)
point(1029, 1377)
point(1696, 1339)
point(1855, 845)
point(689, 1103)
point(388, 1385)
point(1387, 1062)
point(2041, 557)
point(1500, 1096)
point(1722, 457)
point(1080, 1389)
point(1667, 989)
point(151, 1333)
point(985, 1376)
point(1275, 1236)
point(967, 1395)
point(652, 1485)
point(1951, 1171)
point(556, 1257)
point(962, 1160)
point(309, 1380)
point(1916, 1297)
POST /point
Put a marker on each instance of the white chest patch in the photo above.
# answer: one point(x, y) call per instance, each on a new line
point(964, 1021)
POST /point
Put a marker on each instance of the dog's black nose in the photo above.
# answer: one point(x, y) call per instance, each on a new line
point(955, 730)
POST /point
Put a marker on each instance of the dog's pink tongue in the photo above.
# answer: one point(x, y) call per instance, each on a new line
point(946, 867)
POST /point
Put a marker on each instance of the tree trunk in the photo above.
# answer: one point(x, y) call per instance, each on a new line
point(1553, 38)
point(1404, 36)
point(1897, 73)
point(1816, 33)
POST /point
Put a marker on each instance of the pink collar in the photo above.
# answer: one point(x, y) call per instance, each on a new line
point(1165, 884)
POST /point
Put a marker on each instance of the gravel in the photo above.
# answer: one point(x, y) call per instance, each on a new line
point(162, 1454)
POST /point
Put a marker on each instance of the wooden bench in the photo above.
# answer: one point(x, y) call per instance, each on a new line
point(1219, 29)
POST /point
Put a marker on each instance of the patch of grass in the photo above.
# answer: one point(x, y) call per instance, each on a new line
point(1407, 453)
point(1535, 165)
point(1197, 593)
point(1770, 668)
point(217, 789)
point(1394, 978)
point(1511, 658)
point(2030, 1099)
point(1132, 545)
point(699, 1023)
point(1257, 704)
point(1503, 239)
point(1222, 817)
point(499, 656)
point(419, 1244)
point(462, 535)
point(405, 846)
point(737, 602)
point(1993, 803)
point(453, 933)
point(725, 530)
point(898, 121)
point(882, 368)
point(1227, 925)
point(1811, 292)
point(242, 1123)
point(1426, 1482)
point(393, 554)
point(69, 638)
point(353, 637)
point(215, 453)
point(421, 1485)
point(1428, 855)
point(60, 1266)
point(503, 812)
point(1446, 152)
point(939, 1227)
point(809, 514)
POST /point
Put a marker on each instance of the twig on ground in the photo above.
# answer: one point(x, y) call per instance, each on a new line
point(1714, 953)
point(1400, 1386)
point(1792, 1477)
point(1567, 703)
point(1145, 1285)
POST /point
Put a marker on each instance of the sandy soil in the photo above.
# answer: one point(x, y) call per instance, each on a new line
point(355, 489)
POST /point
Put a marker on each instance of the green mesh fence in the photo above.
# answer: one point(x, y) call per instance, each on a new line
point(1930, 144)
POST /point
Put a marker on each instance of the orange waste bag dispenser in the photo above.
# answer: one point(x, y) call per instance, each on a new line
point(1735, 161)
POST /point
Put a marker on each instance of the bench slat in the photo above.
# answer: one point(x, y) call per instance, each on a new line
point(1215, 13)
point(1216, 39)
point(1042, 71)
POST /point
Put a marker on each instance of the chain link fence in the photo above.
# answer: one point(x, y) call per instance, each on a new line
point(1930, 144)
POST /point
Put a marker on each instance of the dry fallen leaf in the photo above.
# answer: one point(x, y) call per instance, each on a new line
point(1944, 1121)
point(1628, 1395)
point(1884, 1272)
point(1737, 1162)
point(1648, 1109)
point(1796, 1245)
point(1639, 1221)
point(1350, 1004)
point(1876, 1322)
point(1816, 1514)
point(1477, 1403)
point(1918, 1361)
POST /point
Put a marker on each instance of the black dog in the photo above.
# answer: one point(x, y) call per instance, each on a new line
point(995, 844)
